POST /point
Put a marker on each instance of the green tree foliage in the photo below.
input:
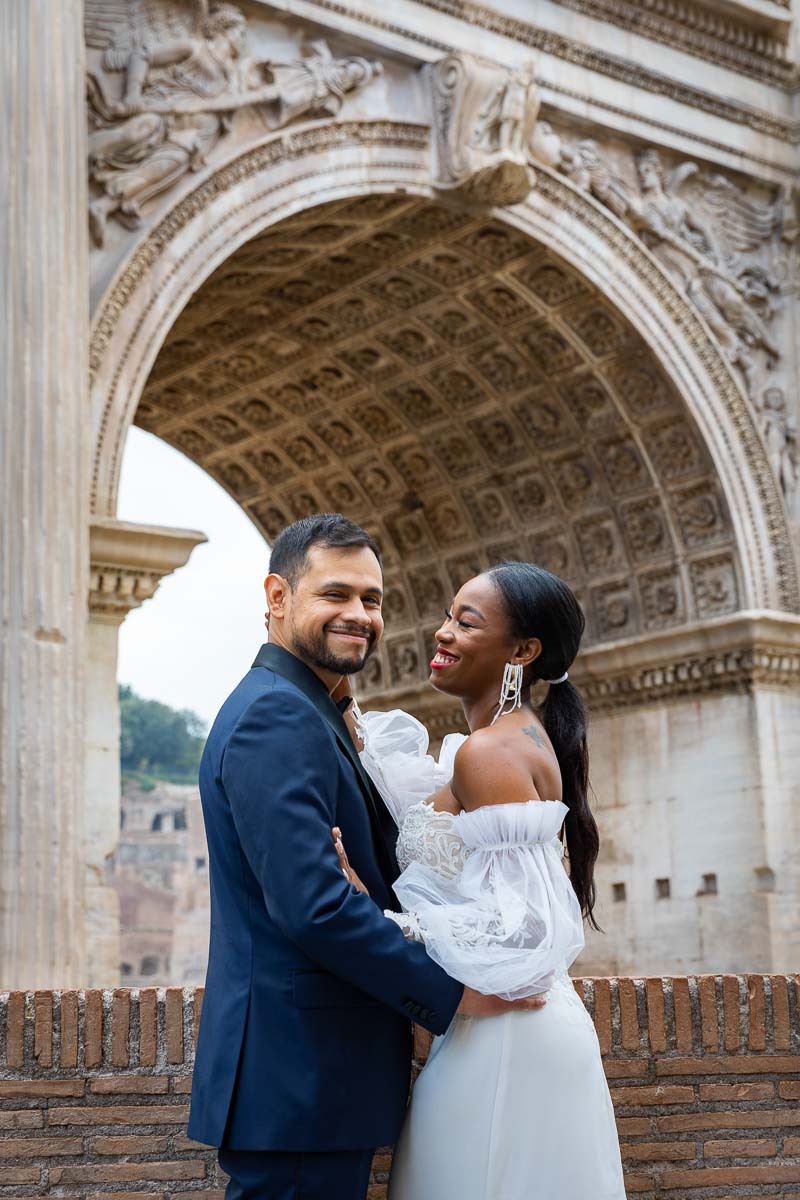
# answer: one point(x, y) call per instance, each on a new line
point(157, 740)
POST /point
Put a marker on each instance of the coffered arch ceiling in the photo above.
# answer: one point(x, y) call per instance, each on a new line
point(464, 393)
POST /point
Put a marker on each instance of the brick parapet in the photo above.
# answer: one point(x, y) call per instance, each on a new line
point(704, 1074)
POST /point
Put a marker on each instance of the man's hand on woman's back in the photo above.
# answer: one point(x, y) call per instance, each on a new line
point(475, 1004)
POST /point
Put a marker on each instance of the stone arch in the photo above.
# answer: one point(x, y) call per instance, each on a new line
point(658, 501)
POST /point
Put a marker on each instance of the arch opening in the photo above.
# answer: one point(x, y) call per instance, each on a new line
point(453, 384)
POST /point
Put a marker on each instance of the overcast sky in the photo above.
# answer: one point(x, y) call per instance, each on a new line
point(194, 640)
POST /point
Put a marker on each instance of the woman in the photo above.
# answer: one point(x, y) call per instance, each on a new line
point(514, 1106)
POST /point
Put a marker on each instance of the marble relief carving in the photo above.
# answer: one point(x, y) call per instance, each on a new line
point(167, 79)
point(167, 84)
point(712, 238)
point(482, 119)
point(781, 437)
point(438, 419)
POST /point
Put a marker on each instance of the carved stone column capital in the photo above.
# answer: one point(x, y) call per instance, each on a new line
point(483, 117)
point(128, 563)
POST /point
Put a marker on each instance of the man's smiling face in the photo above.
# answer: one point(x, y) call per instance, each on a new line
point(332, 617)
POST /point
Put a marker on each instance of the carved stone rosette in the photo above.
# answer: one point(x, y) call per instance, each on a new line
point(482, 118)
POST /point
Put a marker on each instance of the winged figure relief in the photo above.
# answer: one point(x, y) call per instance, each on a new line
point(710, 213)
point(707, 234)
point(172, 75)
point(705, 231)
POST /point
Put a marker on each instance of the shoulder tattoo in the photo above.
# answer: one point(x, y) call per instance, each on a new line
point(532, 732)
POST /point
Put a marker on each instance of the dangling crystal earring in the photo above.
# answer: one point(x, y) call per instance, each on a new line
point(511, 691)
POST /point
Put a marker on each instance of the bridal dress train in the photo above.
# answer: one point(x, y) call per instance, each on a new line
point(512, 1107)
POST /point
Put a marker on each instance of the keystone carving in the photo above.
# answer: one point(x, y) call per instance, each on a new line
point(170, 80)
point(483, 118)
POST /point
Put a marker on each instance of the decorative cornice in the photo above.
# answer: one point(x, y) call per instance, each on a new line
point(748, 48)
point(128, 563)
point(737, 654)
point(737, 670)
point(597, 61)
point(740, 653)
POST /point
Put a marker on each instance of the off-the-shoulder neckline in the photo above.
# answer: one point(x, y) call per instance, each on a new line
point(510, 804)
point(494, 807)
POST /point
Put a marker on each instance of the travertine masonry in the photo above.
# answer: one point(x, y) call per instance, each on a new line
point(704, 1074)
point(44, 492)
point(590, 360)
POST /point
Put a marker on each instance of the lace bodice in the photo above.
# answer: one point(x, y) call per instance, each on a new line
point(428, 837)
point(432, 838)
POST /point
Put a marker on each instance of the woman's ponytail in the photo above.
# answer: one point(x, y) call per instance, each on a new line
point(541, 605)
point(563, 715)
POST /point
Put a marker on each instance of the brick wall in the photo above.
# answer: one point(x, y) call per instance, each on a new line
point(704, 1073)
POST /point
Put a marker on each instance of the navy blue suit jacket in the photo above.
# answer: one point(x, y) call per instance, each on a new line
point(305, 1034)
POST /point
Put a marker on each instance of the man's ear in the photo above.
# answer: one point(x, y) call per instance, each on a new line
point(276, 589)
point(527, 652)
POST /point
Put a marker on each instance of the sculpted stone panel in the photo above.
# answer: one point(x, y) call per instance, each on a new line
point(601, 544)
point(165, 85)
point(472, 400)
point(700, 515)
point(483, 117)
point(461, 567)
point(431, 595)
point(674, 449)
point(719, 242)
point(404, 661)
point(530, 496)
point(646, 530)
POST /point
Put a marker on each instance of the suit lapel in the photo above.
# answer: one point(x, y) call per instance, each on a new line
point(276, 659)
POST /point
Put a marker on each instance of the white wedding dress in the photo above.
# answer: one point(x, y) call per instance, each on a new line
point(512, 1107)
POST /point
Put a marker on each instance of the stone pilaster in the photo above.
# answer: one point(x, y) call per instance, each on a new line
point(694, 762)
point(44, 454)
point(128, 563)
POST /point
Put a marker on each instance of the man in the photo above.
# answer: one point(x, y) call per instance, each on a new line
point(303, 1060)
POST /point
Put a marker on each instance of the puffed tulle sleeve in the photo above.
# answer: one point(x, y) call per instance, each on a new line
point(508, 920)
point(395, 756)
point(511, 920)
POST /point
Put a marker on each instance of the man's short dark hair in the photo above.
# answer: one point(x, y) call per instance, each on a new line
point(289, 556)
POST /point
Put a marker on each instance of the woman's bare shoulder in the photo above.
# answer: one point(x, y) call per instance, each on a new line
point(492, 767)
